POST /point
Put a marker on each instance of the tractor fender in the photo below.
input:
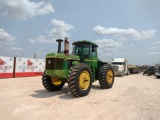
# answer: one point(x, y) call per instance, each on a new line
point(72, 63)
point(75, 63)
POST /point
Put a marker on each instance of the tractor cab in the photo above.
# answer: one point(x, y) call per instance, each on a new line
point(87, 51)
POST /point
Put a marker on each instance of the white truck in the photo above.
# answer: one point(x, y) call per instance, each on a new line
point(120, 66)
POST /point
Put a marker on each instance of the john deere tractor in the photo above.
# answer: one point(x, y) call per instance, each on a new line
point(78, 69)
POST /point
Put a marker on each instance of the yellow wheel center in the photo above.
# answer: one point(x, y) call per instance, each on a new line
point(56, 81)
point(84, 80)
point(109, 76)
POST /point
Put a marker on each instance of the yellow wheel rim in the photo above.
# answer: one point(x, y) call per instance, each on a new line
point(56, 81)
point(109, 76)
point(84, 80)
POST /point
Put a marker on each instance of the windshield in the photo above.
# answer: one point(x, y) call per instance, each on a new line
point(117, 63)
point(81, 49)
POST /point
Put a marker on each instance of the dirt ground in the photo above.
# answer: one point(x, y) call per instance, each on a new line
point(133, 97)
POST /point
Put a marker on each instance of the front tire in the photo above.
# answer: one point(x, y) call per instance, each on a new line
point(52, 84)
point(80, 80)
point(106, 76)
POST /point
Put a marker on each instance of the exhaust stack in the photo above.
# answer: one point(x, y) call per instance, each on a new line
point(66, 46)
point(59, 45)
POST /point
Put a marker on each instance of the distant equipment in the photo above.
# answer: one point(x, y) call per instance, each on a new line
point(120, 66)
point(157, 70)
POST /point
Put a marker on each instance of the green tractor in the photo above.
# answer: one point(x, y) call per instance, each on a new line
point(78, 69)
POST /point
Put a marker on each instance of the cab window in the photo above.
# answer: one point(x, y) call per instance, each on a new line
point(82, 49)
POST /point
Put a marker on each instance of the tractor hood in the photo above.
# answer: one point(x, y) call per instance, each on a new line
point(62, 55)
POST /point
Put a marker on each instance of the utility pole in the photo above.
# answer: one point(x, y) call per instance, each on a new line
point(34, 55)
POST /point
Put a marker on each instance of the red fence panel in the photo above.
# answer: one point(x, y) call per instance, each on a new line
point(6, 67)
point(29, 67)
point(21, 67)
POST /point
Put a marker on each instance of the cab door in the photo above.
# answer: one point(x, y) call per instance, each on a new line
point(87, 54)
point(93, 56)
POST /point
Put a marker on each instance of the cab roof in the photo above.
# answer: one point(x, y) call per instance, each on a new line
point(84, 41)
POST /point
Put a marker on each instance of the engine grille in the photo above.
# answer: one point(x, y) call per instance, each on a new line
point(115, 68)
point(54, 63)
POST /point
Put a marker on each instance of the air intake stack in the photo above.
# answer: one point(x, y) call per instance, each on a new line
point(66, 46)
point(59, 45)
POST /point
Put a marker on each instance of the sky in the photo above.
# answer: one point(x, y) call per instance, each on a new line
point(121, 28)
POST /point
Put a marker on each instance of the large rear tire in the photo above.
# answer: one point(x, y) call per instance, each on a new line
point(106, 76)
point(53, 84)
point(80, 80)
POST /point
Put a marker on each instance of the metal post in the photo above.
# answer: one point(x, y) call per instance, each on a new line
point(34, 55)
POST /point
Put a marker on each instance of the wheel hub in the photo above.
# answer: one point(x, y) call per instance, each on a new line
point(56, 81)
point(109, 76)
point(84, 80)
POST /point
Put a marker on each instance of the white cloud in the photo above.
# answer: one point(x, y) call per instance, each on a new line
point(42, 39)
point(156, 43)
point(15, 49)
point(59, 31)
point(107, 48)
point(124, 33)
point(153, 48)
point(58, 24)
point(24, 9)
point(108, 44)
point(6, 37)
point(154, 53)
